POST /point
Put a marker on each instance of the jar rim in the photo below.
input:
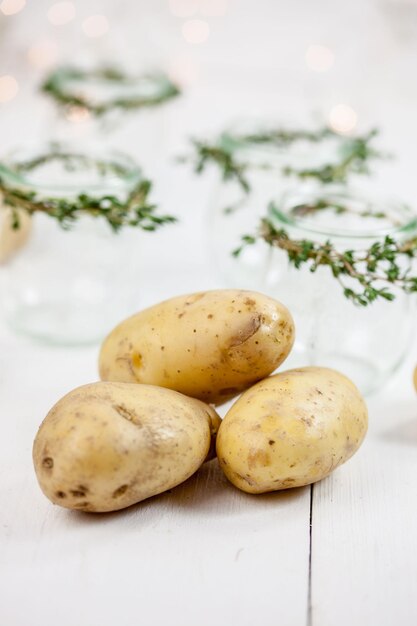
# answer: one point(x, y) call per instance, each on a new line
point(247, 136)
point(282, 211)
point(148, 89)
point(118, 169)
point(321, 153)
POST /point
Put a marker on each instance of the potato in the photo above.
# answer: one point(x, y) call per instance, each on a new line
point(12, 239)
point(291, 429)
point(210, 345)
point(105, 446)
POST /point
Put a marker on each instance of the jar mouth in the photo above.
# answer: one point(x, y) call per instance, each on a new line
point(342, 215)
point(60, 171)
point(270, 144)
point(246, 135)
point(313, 152)
point(101, 90)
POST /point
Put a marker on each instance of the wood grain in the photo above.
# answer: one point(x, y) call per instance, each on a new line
point(201, 554)
point(364, 551)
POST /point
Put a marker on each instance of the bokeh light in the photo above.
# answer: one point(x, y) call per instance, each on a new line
point(96, 26)
point(61, 13)
point(214, 8)
point(343, 119)
point(8, 88)
point(183, 8)
point(319, 58)
point(77, 114)
point(195, 31)
point(11, 7)
point(43, 54)
point(183, 70)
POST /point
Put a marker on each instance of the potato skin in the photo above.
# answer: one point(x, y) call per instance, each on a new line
point(291, 429)
point(210, 345)
point(105, 446)
point(11, 239)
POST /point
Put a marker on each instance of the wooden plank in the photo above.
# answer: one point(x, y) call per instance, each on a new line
point(201, 554)
point(364, 548)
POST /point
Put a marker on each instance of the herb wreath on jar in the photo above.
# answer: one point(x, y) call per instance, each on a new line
point(80, 214)
point(106, 103)
point(285, 220)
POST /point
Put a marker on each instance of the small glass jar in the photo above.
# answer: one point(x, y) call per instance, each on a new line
point(367, 343)
point(272, 158)
point(104, 107)
point(69, 284)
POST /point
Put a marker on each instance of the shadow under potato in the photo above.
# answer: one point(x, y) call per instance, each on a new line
point(404, 431)
point(207, 492)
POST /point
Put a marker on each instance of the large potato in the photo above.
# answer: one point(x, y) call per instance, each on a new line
point(291, 429)
point(105, 446)
point(210, 345)
point(11, 239)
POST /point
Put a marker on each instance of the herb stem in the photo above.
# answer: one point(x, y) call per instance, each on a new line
point(370, 269)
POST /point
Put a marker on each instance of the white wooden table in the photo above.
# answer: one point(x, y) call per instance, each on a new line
point(343, 552)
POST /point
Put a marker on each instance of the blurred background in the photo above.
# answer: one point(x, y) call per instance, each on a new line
point(350, 64)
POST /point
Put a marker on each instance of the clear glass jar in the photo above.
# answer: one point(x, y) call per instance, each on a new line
point(71, 285)
point(124, 112)
point(366, 343)
point(272, 159)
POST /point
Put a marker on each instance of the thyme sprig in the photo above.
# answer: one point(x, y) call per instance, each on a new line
point(338, 207)
point(71, 162)
point(374, 271)
point(133, 208)
point(354, 155)
point(224, 159)
point(282, 137)
point(58, 86)
point(135, 211)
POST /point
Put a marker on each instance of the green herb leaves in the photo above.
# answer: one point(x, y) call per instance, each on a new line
point(135, 211)
point(63, 85)
point(228, 154)
point(132, 208)
point(364, 276)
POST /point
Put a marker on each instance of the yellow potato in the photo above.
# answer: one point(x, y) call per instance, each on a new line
point(12, 239)
point(210, 345)
point(291, 429)
point(105, 446)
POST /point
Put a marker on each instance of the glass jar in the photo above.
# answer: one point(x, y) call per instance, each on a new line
point(271, 159)
point(72, 281)
point(367, 343)
point(104, 106)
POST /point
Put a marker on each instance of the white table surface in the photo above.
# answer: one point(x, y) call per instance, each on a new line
point(206, 552)
point(341, 553)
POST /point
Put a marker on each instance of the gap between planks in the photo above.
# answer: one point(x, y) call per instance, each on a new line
point(309, 599)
